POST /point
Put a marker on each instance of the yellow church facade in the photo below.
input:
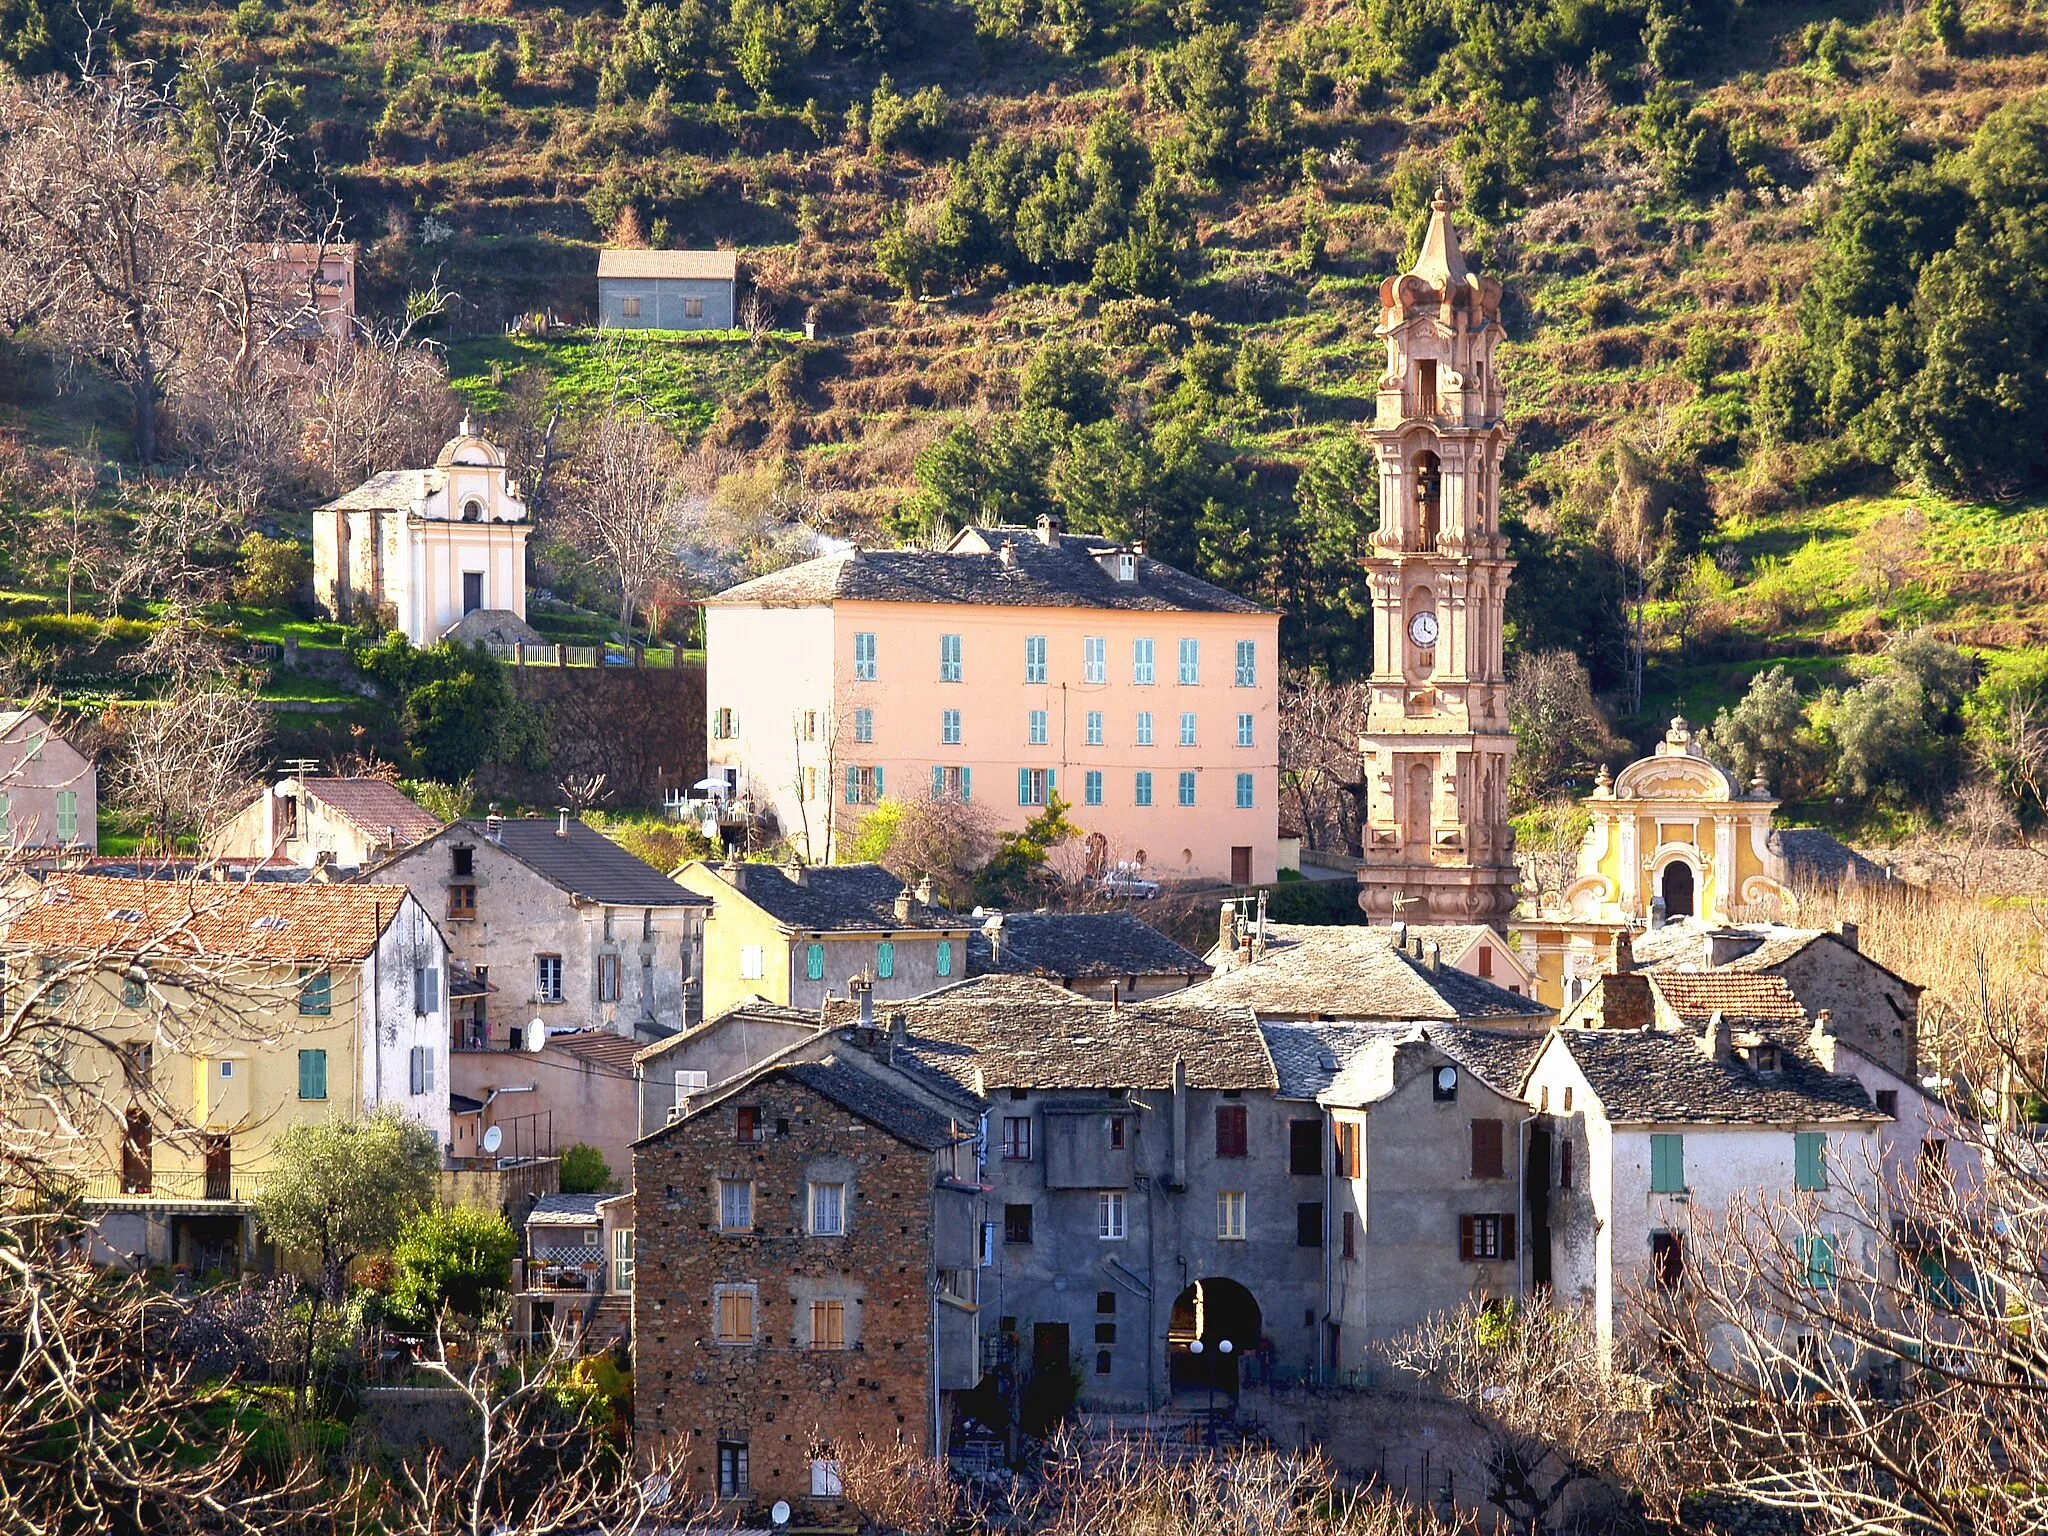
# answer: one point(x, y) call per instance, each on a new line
point(1672, 836)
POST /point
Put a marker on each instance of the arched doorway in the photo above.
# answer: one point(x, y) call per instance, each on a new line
point(1677, 889)
point(1429, 490)
point(1211, 1310)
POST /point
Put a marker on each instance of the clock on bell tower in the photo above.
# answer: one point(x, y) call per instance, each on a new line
point(1437, 745)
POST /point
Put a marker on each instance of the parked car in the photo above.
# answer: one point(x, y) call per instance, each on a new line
point(1126, 883)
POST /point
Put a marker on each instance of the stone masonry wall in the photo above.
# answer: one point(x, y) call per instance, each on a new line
point(779, 1396)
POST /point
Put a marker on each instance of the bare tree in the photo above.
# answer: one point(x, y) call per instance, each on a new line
point(163, 551)
point(1578, 104)
point(1980, 819)
point(757, 318)
point(1321, 723)
point(1559, 730)
point(945, 839)
point(384, 400)
point(185, 762)
point(629, 514)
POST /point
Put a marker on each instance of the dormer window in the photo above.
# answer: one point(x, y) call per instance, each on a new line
point(1126, 567)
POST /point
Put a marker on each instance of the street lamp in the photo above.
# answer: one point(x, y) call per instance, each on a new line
point(1223, 1347)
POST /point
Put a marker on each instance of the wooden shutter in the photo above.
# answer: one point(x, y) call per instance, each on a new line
point(1486, 1150)
point(1231, 1134)
point(1466, 1242)
point(1507, 1235)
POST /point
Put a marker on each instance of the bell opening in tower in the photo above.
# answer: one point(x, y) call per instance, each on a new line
point(1425, 387)
point(1429, 491)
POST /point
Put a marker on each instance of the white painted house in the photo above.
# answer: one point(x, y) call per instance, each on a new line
point(427, 548)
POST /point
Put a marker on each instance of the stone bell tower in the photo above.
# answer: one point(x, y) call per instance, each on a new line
point(1438, 847)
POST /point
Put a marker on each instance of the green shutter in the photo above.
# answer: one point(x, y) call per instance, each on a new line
point(852, 786)
point(1816, 1255)
point(966, 783)
point(814, 962)
point(315, 992)
point(1810, 1150)
point(878, 781)
point(885, 959)
point(1667, 1165)
point(938, 782)
point(312, 1074)
point(1023, 786)
point(945, 957)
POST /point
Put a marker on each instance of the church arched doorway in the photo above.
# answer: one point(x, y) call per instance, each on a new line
point(1212, 1312)
point(1677, 889)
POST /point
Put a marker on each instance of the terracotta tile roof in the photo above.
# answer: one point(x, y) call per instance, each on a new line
point(1077, 946)
point(257, 920)
point(1652, 1077)
point(375, 805)
point(1735, 995)
point(1026, 1032)
point(1354, 972)
point(1065, 575)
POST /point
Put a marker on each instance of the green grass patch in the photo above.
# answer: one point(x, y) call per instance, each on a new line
point(682, 376)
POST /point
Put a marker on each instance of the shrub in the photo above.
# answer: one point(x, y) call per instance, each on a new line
point(454, 1260)
point(496, 70)
point(584, 1170)
point(271, 572)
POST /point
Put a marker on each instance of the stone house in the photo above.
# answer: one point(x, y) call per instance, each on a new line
point(567, 929)
point(49, 790)
point(795, 934)
point(667, 290)
point(342, 824)
point(1096, 954)
point(670, 1071)
point(575, 1270)
point(197, 1021)
point(805, 1270)
point(426, 548)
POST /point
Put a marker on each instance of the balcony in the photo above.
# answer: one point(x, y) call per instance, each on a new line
point(214, 1186)
point(584, 1277)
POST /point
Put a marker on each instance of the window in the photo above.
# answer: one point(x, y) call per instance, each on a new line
point(607, 978)
point(753, 959)
point(1350, 1235)
point(1247, 664)
point(949, 659)
point(1109, 1217)
point(864, 725)
point(134, 992)
point(828, 1325)
point(462, 902)
point(1091, 787)
point(1667, 1165)
point(1304, 1147)
point(825, 1483)
point(1094, 727)
point(1141, 790)
point(6, 829)
point(814, 962)
point(746, 1123)
point(1487, 1159)
point(67, 814)
point(1349, 1164)
point(312, 1074)
point(1144, 727)
point(1933, 1163)
point(547, 980)
point(735, 1205)
point(630, 306)
point(864, 658)
point(316, 992)
point(422, 1069)
point(1190, 662)
point(1141, 661)
point(1038, 732)
point(1667, 1258)
point(1126, 567)
point(1230, 1215)
point(1308, 1224)
point(944, 958)
point(949, 727)
point(1116, 1133)
point(1105, 1333)
point(1187, 728)
point(1810, 1160)
point(1035, 785)
point(1425, 387)
point(1105, 1303)
point(1016, 1138)
point(1564, 1163)
point(863, 785)
point(1016, 1223)
point(1486, 1237)
point(1095, 659)
point(1817, 1254)
point(885, 960)
point(1244, 791)
point(732, 1458)
point(1232, 1131)
point(1888, 1101)
point(693, 309)
point(1104, 1361)
point(1244, 730)
point(1034, 658)
point(1187, 786)
point(1567, 1099)
point(810, 784)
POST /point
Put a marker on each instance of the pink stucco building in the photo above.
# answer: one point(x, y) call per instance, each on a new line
point(1015, 664)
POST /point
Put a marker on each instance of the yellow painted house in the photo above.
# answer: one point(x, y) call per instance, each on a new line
point(183, 1026)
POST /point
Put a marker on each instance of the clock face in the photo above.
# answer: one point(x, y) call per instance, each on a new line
point(1422, 629)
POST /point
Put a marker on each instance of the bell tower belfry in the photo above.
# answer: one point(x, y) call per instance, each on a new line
point(1437, 844)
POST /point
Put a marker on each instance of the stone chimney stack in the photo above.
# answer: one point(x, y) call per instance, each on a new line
point(898, 1038)
point(1624, 954)
point(863, 992)
point(1850, 935)
point(1821, 1040)
point(924, 890)
point(1717, 1041)
point(903, 903)
point(1226, 931)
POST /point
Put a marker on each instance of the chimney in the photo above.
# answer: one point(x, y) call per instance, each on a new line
point(494, 828)
point(561, 821)
point(1821, 1040)
point(1180, 1122)
point(797, 872)
point(1850, 935)
point(1226, 930)
point(1400, 935)
point(863, 992)
point(1657, 911)
point(1723, 945)
point(992, 930)
point(1624, 954)
point(1006, 556)
point(1717, 1041)
point(903, 905)
point(899, 1037)
point(924, 890)
point(1433, 956)
point(1116, 997)
point(1049, 530)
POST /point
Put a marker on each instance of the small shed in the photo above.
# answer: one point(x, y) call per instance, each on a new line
point(667, 290)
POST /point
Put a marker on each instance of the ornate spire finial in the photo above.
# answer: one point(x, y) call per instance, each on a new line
point(467, 430)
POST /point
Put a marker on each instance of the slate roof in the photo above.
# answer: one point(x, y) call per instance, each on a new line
point(1651, 1077)
point(565, 1211)
point(1026, 1032)
point(463, 1104)
point(1681, 944)
point(1078, 945)
point(1813, 857)
point(244, 919)
point(862, 1093)
point(389, 490)
point(1310, 1055)
point(1353, 972)
point(374, 805)
point(586, 863)
point(1738, 996)
point(836, 898)
point(1064, 575)
point(711, 266)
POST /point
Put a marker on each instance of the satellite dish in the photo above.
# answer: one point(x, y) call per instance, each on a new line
point(536, 1035)
point(494, 1138)
point(780, 1513)
point(1447, 1079)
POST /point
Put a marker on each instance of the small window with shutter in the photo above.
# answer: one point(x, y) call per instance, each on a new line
point(1487, 1156)
point(1232, 1133)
